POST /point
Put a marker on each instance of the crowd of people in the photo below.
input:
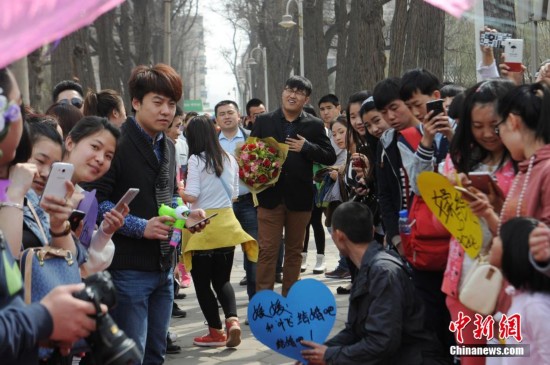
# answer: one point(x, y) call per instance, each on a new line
point(358, 166)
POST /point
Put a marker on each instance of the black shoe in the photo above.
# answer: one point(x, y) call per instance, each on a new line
point(171, 348)
point(279, 278)
point(343, 290)
point(177, 312)
point(180, 296)
point(243, 281)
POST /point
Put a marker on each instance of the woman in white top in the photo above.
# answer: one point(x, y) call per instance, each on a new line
point(212, 184)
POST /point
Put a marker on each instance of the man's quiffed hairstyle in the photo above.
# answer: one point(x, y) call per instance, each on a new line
point(385, 92)
point(418, 80)
point(299, 83)
point(355, 220)
point(160, 78)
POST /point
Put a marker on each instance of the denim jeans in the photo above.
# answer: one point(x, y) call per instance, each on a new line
point(247, 215)
point(144, 308)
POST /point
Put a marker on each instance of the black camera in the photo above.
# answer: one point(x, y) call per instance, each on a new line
point(109, 344)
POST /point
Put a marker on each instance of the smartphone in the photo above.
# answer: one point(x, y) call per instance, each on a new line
point(75, 218)
point(493, 39)
point(513, 49)
point(126, 198)
point(436, 106)
point(481, 180)
point(203, 220)
point(466, 194)
point(59, 174)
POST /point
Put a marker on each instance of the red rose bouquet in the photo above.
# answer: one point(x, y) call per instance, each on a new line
point(260, 162)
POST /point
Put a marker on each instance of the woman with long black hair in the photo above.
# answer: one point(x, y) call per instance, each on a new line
point(212, 184)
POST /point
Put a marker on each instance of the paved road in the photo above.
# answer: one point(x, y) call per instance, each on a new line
point(250, 351)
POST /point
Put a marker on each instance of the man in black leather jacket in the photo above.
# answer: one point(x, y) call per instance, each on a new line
point(386, 317)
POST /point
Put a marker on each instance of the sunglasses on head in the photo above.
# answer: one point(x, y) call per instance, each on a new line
point(74, 101)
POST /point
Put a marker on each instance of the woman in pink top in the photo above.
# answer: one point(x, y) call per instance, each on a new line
point(475, 147)
point(525, 130)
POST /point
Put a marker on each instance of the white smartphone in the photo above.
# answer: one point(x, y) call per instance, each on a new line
point(126, 198)
point(59, 174)
point(513, 49)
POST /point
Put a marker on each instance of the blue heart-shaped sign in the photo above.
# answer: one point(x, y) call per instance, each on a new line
point(307, 313)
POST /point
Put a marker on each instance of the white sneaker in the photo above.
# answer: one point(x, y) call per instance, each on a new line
point(320, 265)
point(304, 262)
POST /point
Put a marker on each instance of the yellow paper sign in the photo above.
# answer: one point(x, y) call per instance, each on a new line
point(451, 210)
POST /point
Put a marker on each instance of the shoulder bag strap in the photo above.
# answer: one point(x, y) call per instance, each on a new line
point(226, 188)
point(27, 279)
point(37, 219)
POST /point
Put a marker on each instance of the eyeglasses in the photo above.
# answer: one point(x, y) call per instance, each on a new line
point(296, 92)
point(74, 101)
point(497, 126)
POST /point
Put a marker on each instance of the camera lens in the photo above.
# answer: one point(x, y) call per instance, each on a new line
point(63, 170)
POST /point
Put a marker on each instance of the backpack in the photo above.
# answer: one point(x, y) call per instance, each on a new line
point(427, 246)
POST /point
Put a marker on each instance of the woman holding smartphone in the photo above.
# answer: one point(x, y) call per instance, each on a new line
point(90, 148)
point(475, 148)
point(212, 184)
point(46, 150)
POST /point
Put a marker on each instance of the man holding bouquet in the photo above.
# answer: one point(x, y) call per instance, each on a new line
point(289, 202)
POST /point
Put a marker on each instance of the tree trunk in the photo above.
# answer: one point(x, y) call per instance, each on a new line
point(315, 51)
point(109, 67)
point(156, 12)
point(371, 44)
point(342, 74)
point(126, 56)
point(142, 30)
point(425, 36)
point(365, 60)
point(83, 69)
point(62, 60)
point(398, 38)
point(36, 80)
point(281, 46)
point(71, 60)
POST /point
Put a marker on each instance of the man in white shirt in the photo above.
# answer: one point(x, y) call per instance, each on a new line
point(227, 118)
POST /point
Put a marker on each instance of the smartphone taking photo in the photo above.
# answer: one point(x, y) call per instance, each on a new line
point(436, 106)
point(493, 39)
point(60, 173)
point(513, 50)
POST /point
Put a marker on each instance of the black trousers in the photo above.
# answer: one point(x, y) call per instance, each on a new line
point(212, 269)
point(318, 230)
